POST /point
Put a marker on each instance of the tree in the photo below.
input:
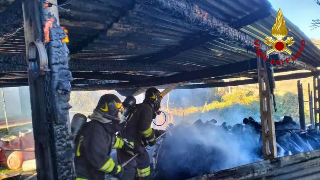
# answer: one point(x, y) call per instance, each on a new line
point(316, 22)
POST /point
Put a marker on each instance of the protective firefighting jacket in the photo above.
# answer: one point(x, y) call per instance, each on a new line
point(138, 124)
point(93, 147)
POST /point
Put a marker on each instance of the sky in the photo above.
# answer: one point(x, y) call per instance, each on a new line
point(301, 13)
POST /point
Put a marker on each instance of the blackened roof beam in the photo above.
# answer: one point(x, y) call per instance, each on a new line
point(105, 76)
point(114, 65)
point(249, 81)
point(182, 77)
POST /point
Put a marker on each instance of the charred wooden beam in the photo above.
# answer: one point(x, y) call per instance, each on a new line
point(20, 80)
point(301, 102)
point(298, 166)
point(95, 65)
point(247, 81)
point(15, 82)
point(171, 79)
point(9, 63)
point(8, 67)
point(185, 76)
point(269, 146)
point(14, 75)
point(316, 89)
point(100, 65)
point(310, 106)
point(49, 90)
point(104, 76)
point(204, 73)
point(13, 59)
point(4, 85)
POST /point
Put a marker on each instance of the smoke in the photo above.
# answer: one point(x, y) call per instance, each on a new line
point(205, 148)
point(202, 148)
point(231, 115)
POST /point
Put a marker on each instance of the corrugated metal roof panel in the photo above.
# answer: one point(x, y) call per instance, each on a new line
point(127, 30)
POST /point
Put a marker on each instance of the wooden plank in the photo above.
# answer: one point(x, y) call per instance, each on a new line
point(301, 165)
point(266, 112)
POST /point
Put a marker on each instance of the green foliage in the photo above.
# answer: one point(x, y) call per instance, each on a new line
point(287, 105)
point(84, 100)
point(243, 102)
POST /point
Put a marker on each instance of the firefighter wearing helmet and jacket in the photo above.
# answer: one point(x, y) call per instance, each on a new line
point(97, 138)
point(138, 128)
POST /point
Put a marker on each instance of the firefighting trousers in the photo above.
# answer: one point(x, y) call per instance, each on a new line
point(139, 166)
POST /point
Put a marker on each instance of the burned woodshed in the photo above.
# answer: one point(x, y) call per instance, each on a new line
point(59, 46)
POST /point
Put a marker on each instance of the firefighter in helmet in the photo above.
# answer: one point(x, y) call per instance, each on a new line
point(97, 138)
point(138, 128)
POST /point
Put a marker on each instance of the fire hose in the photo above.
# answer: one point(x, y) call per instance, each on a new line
point(125, 163)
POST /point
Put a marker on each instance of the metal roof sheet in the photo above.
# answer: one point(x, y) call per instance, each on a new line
point(137, 32)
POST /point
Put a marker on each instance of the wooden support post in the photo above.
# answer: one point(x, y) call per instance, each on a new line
point(49, 82)
point(311, 106)
point(266, 111)
point(316, 100)
point(301, 107)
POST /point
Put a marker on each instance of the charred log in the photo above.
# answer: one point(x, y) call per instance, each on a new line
point(61, 89)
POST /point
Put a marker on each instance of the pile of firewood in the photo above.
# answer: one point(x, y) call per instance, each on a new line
point(203, 148)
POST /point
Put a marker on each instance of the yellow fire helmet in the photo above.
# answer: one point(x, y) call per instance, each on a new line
point(109, 104)
point(153, 95)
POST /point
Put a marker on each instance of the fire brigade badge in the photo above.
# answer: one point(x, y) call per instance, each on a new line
point(279, 31)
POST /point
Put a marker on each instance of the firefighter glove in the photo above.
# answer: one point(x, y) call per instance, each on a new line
point(159, 133)
point(129, 147)
point(117, 171)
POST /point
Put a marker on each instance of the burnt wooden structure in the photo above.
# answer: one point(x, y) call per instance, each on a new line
point(299, 167)
point(301, 106)
point(266, 111)
point(311, 109)
point(49, 83)
point(316, 101)
point(130, 45)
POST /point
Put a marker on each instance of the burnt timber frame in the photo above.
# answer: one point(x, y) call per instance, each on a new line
point(190, 13)
point(49, 93)
point(316, 107)
point(311, 106)
point(301, 106)
point(299, 167)
point(266, 112)
point(248, 81)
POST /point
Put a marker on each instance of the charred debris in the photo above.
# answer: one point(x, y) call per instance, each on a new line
point(204, 148)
